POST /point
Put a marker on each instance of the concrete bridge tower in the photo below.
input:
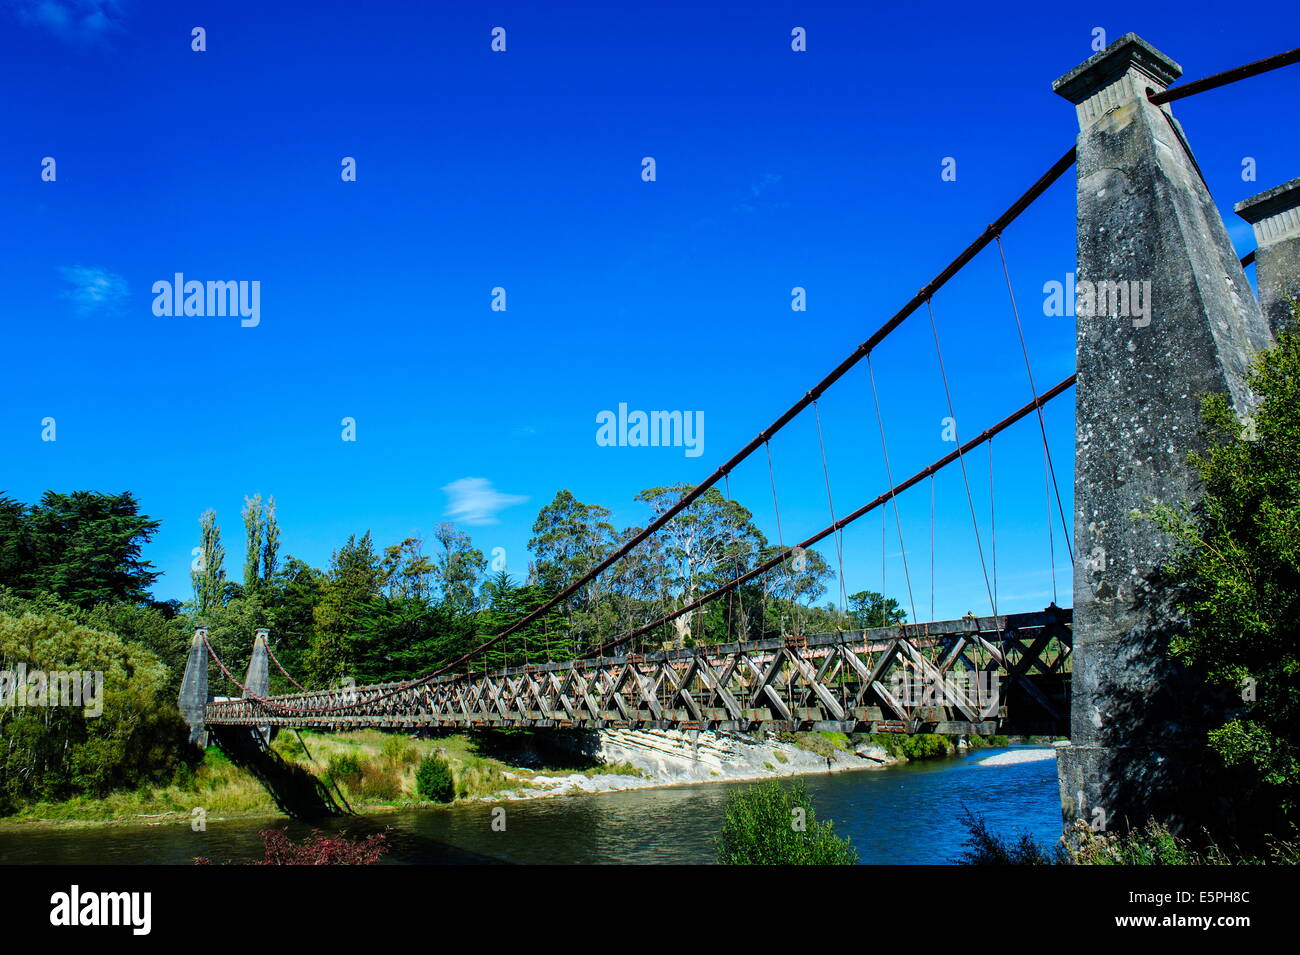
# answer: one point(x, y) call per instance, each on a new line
point(257, 682)
point(1172, 317)
point(194, 688)
point(1275, 216)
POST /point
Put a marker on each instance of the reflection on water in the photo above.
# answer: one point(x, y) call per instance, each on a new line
point(905, 814)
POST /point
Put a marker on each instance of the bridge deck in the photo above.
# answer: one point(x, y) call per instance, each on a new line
point(954, 676)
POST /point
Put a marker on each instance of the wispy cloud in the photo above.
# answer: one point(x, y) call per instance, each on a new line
point(94, 290)
point(473, 500)
point(83, 22)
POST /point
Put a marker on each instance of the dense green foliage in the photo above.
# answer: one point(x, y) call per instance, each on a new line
point(1237, 564)
point(83, 547)
point(914, 745)
point(433, 780)
point(129, 734)
point(770, 824)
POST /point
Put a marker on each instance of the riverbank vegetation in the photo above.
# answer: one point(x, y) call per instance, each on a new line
point(1152, 844)
point(899, 746)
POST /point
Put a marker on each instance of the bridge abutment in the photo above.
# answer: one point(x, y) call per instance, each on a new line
point(1165, 315)
point(1275, 217)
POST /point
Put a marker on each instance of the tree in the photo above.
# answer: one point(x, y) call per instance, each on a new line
point(83, 547)
point(710, 542)
point(407, 572)
point(261, 543)
point(1236, 561)
point(253, 529)
point(354, 578)
point(798, 581)
point(15, 557)
point(504, 603)
point(569, 539)
point(291, 598)
point(768, 824)
point(271, 547)
point(209, 577)
point(458, 565)
point(869, 609)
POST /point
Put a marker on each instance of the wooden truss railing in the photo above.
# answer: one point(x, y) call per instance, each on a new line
point(956, 676)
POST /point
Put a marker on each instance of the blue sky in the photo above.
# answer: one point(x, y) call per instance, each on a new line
point(522, 170)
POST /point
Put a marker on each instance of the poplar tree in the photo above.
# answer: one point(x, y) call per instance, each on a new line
point(271, 546)
point(209, 577)
point(252, 515)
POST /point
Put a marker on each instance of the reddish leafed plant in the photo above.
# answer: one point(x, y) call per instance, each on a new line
point(320, 849)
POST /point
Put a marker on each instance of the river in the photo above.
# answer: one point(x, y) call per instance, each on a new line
point(899, 815)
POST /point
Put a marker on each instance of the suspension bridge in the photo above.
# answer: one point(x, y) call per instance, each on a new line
point(1144, 215)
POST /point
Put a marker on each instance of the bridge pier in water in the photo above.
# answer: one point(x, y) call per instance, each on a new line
point(1165, 314)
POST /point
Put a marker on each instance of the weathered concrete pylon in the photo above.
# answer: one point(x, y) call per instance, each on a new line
point(194, 688)
point(1275, 216)
point(1165, 315)
point(257, 681)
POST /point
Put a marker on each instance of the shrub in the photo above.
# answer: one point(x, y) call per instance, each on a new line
point(981, 847)
point(433, 780)
point(769, 824)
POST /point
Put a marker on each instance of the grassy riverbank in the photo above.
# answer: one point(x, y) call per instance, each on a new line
point(366, 771)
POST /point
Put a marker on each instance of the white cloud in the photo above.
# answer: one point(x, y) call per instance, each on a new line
point(74, 21)
point(94, 289)
point(473, 500)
